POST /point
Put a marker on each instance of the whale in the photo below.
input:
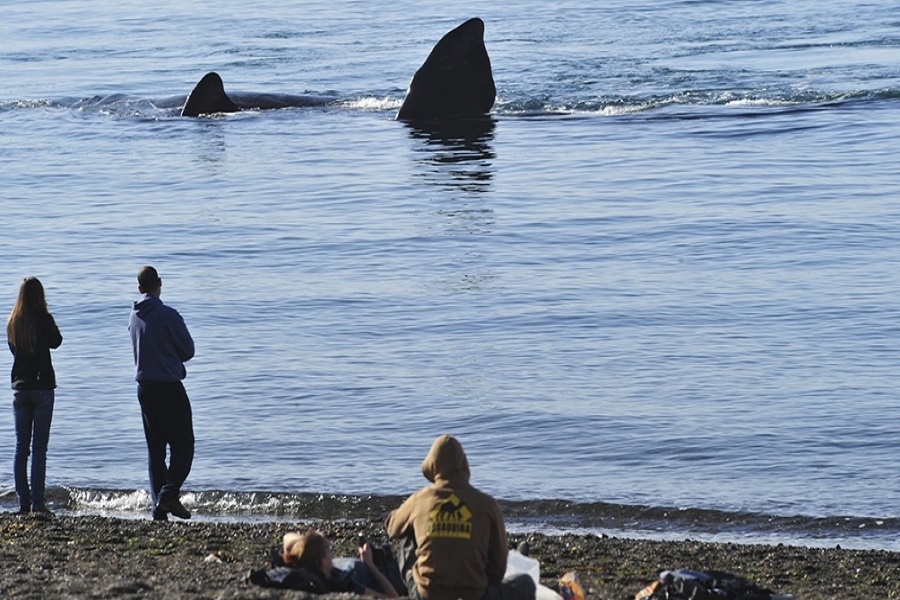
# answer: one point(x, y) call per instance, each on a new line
point(455, 81)
point(209, 97)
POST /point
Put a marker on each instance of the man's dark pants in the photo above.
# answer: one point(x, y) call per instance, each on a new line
point(168, 422)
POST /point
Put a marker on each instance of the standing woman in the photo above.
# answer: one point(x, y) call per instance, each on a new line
point(31, 333)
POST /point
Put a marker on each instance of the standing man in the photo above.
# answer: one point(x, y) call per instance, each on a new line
point(454, 538)
point(162, 344)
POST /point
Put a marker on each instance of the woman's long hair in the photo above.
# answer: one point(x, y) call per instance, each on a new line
point(24, 323)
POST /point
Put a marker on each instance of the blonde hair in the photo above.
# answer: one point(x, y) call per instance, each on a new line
point(24, 323)
point(306, 550)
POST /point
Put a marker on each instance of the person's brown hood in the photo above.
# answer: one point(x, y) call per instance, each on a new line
point(446, 461)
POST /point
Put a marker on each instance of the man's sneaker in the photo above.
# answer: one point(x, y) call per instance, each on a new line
point(41, 510)
point(175, 507)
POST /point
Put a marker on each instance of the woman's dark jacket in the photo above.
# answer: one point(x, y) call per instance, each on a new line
point(34, 371)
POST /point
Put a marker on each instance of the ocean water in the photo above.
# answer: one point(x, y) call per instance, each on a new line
point(659, 294)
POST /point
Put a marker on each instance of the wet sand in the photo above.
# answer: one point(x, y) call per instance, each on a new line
point(100, 557)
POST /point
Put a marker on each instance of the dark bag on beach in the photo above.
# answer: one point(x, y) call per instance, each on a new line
point(288, 578)
point(684, 584)
point(285, 577)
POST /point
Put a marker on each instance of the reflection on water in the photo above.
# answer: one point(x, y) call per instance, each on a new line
point(456, 153)
point(455, 160)
point(210, 142)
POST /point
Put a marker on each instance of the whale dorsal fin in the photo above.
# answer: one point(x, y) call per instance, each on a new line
point(208, 97)
point(455, 80)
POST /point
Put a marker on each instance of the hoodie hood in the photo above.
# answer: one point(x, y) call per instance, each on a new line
point(146, 305)
point(446, 461)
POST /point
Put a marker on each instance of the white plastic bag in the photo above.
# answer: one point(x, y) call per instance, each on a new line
point(518, 563)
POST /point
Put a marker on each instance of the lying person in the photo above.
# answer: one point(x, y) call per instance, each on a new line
point(310, 553)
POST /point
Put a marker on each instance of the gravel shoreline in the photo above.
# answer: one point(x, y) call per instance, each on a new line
point(107, 558)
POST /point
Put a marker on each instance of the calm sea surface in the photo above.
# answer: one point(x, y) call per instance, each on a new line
point(664, 284)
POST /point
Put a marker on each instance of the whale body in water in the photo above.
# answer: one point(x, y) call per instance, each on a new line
point(454, 81)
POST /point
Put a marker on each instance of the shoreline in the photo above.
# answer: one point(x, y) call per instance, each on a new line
point(106, 557)
point(553, 516)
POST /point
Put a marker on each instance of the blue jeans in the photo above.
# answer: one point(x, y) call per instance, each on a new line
point(33, 411)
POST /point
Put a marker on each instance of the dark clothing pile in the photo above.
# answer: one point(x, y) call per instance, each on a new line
point(684, 584)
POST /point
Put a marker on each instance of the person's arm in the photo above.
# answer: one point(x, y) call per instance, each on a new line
point(498, 549)
point(184, 343)
point(54, 337)
point(387, 590)
point(400, 519)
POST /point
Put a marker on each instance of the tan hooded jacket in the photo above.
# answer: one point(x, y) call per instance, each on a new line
point(460, 535)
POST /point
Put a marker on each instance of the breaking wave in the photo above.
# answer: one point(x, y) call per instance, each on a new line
point(552, 516)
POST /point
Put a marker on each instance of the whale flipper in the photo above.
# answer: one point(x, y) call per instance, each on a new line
point(455, 80)
point(208, 97)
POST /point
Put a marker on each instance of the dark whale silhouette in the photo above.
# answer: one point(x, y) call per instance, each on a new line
point(208, 97)
point(454, 81)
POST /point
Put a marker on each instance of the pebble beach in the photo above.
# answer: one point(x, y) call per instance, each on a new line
point(107, 558)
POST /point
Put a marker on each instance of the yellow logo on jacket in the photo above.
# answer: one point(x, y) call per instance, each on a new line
point(450, 519)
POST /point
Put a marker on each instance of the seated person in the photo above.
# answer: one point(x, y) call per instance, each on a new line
point(312, 552)
point(454, 537)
